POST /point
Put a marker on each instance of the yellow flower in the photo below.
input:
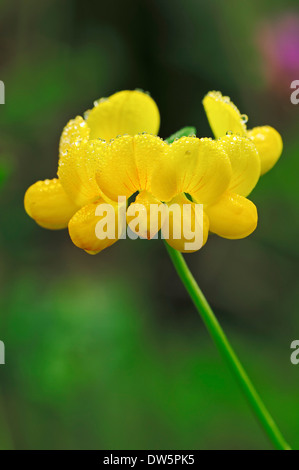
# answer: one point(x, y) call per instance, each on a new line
point(217, 174)
point(114, 152)
point(252, 153)
point(225, 117)
point(70, 200)
point(164, 173)
point(125, 167)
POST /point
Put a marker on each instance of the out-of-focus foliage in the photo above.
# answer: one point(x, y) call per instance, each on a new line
point(5, 170)
point(107, 351)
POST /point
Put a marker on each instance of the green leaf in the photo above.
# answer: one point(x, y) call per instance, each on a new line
point(184, 132)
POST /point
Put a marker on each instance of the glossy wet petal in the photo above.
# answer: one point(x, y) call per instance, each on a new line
point(77, 169)
point(125, 112)
point(195, 166)
point(127, 164)
point(223, 115)
point(269, 145)
point(49, 205)
point(245, 162)
point(145, 215)
point(96, 226)
point(186, 225)
point(233, 216)
point(76, 130)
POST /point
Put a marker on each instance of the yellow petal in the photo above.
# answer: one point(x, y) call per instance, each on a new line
point(223, 115)
point(127, 163)
point(96, 226)
point(269, 145)
point(146, 215)
point(125, 112)
point(75, 130)
point(233, 216)
point(245, 162)
point(186, 225)
point(195, 166)
point(77, 168)
point(48, 204)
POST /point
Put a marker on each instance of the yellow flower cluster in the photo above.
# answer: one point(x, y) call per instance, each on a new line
point(115, 151)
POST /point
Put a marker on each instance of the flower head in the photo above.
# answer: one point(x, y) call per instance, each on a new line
point(71, 198)
point(252, 153)
point(224, 117)
point(115, 153)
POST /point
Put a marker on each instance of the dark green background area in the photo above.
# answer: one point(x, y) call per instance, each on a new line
point(107, 352)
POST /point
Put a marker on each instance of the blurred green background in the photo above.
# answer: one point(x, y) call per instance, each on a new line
point(107, 352)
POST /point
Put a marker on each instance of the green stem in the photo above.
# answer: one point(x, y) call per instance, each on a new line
point(226, 350)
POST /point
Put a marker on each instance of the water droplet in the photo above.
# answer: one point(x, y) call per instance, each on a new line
point(101, 100)
point(244, 118)
point(229, 133)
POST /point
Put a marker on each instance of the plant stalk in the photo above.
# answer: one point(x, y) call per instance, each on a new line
point(226, 350)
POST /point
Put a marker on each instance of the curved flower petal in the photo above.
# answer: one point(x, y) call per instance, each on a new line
point(186, 225)
point(233, 216)
point(195, 166)
point(126, 164)
point(47, 203)
point(146, 215)
point(269, 145)
point(96, 226)
point(75, 130)
point(125, 112)
point(245, 162)
point(77, 169)
point(223, 115)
